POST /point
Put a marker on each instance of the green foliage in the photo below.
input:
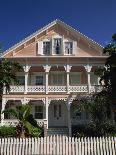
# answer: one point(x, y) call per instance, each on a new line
point(32, 131)
point(95, 130)
point(7, 131)
point(98, 107)
point(25, 126)
point(8, 71)
point(108, 73)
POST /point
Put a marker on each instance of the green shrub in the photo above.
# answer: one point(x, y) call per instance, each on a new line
point(94, 130)
point(7, 131)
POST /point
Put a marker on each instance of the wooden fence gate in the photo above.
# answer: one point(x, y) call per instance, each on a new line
point(58, 145)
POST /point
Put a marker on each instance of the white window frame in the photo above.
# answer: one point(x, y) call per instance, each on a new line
point(33, 77)
point(46, 40)
point(56, 37)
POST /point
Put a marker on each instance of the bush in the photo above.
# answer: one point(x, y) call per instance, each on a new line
point(94, 130)
point(7, 131)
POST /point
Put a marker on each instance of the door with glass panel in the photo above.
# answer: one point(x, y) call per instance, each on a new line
point(57, 114)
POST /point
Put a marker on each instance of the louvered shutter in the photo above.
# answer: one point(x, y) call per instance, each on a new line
point(40, 47)
point(74, 47)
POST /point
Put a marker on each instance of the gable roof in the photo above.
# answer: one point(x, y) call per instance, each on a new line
point(57, 21)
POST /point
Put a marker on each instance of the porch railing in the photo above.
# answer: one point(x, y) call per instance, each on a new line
point(14, 122)
point(56, 89)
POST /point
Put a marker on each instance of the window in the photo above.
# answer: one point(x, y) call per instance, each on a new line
point(38, 112)
point(57, 46)
point(93, 79)
point(39, 80)
point(68, 47)
point(57, 111)
point(75, 78)
point(21, 80)
point(57, 78)
point(46, 47)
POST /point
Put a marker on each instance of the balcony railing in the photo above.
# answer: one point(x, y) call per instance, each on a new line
point(56, 89)
point(14, 122)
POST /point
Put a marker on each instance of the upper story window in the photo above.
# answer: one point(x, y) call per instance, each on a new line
point(68, 47)
point(21, 80)
point(39, 80)
point(46, 47)
point(75, 78)
point(57, 45)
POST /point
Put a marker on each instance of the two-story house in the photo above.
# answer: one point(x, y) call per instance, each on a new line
point(59, 64)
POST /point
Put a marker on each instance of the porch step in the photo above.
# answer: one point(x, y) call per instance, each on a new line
point(57, 131)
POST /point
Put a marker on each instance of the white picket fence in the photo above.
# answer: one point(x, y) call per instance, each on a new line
point(58, 145)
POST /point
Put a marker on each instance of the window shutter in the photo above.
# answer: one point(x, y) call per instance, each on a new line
point(40, 47)
point(62, 45)
point(74, 47)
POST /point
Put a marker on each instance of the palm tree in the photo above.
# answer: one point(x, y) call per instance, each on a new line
point(22, 113)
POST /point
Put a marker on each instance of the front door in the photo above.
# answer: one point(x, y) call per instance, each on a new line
point(57, 114)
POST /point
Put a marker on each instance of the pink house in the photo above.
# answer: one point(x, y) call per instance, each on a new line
point(59, 64)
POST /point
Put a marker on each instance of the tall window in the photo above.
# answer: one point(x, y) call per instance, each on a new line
point(38, 112)
point(75, 78)
point(21, 80)
point(46, 47)
point(68, 47)
point(57, 78)
point(39, 80)
point(57, 45)
point(57, 111)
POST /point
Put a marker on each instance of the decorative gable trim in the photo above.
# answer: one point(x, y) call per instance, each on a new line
point(45, 28)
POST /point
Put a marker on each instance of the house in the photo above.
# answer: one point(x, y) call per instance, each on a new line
point(59, 64)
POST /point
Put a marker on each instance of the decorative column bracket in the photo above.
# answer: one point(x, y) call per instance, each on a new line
point(26, 68)
point(88, 68)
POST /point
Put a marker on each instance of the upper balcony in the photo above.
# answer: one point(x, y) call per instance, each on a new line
point(57, 79)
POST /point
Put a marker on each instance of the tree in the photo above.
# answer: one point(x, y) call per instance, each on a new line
point(108, 73)
point(8, 71)
point(24, 127)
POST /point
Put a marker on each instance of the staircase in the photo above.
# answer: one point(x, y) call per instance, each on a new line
point(57, 131)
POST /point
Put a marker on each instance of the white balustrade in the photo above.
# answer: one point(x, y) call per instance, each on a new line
point(36, 89)
point(79, 88)
point(16, 88)
point(8, 122)
point(40, 122)
point(95, 88)
point(57, 89)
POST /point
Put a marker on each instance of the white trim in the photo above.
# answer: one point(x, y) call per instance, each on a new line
point(47, 27)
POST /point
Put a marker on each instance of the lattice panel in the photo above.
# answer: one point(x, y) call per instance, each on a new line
point(78, 89)
point(57, 88)
point(10, 122)
point(16, 88)
point(40, 123)
point(36, 89)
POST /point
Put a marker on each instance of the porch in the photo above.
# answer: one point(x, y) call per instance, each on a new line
point(52, 114)
point(57, 79)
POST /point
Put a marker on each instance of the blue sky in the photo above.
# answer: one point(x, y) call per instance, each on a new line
point(20, 18)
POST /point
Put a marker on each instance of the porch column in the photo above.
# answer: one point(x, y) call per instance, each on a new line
point(26, 70)
point(88, 70)
point(47, 111)
point(4, 101)
point(69, 119)
point(67, 69)
point(47, 69)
